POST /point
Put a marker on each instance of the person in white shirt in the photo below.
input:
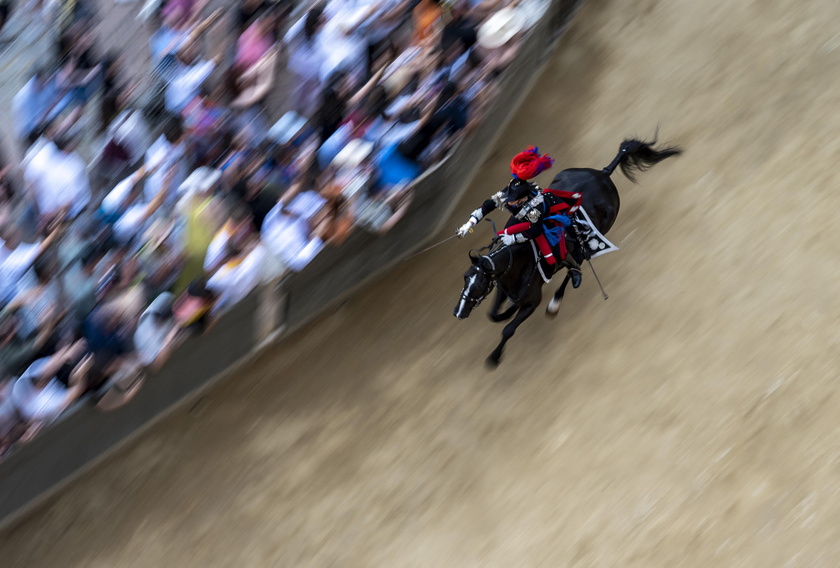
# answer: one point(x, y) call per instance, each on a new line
point(32, 104)
point(17, 257)
point(289, 237)
point(127, 208)
point(187, 76)
point(58, 179)
point(156, 331)
point(240, 275)
point(238, 228)
point(165, 162)
point(305, 56)
point(379, 26)
point(50, 385)
point(344, 45)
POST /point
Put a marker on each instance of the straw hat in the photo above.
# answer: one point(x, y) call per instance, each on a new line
point(500, 28)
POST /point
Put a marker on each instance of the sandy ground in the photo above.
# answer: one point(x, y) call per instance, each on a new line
point(690, 420)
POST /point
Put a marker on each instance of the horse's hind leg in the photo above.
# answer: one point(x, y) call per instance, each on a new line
point(554, 305)
point(494, 314)
point(508, 331)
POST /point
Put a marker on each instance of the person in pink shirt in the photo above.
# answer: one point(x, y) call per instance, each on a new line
point(256, 40)
point(253, 69)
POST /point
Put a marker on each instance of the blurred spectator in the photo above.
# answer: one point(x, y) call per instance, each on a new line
point(305, 54)
point(200, 213)
point(254, 82)
point(17, 351)
point(187, 75)
point(231, 239)
point(460, 32)
point(290, 237)
point(16, 258)
point(498, 37)
point(42, 305)
point(32, 105)
point(108, 330)
point(49, 385)
point(7, 192)
point(79, 74)
point(156, 332)
point(379, 26)
point(161, 257)
point(166, 162)
point(192, 308)
point(114, 90)
point(205, 120)
point(237, 261)
point(125, 141)
point(427, 21)
point(58, 179)
point(240, 275)
point(65, 13)
point(181, 12)
point(80, 282)
point(343, 42)
point(247, 11)
point(176, 29)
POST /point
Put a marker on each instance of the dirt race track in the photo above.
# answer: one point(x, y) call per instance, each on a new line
point(691, 420)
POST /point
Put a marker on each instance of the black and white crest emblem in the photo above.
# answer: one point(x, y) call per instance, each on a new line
point(591, 237)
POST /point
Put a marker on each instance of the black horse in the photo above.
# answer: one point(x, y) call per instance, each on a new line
point(513, 269)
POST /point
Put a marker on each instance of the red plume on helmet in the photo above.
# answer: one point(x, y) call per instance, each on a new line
point(528, 164)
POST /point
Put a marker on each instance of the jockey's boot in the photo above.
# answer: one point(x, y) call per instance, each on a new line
point(574, 270)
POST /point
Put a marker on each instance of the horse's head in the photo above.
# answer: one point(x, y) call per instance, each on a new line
point(478, 283)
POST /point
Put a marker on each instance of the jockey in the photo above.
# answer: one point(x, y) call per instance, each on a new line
point(538, 214)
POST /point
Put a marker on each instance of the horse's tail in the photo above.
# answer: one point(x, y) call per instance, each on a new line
point(639, 156)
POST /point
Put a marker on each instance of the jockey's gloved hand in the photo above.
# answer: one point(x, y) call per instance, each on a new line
point(508, 240)
point(465, 228)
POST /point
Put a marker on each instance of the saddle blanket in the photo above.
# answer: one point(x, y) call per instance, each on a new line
point(592, 237)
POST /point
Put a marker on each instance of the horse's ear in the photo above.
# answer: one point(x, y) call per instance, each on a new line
point(474, 257)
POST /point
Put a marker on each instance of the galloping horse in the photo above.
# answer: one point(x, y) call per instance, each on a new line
point(513, 269)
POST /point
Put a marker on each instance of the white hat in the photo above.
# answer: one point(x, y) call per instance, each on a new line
point(500, 28)
point(353, 154)
point(285, 129)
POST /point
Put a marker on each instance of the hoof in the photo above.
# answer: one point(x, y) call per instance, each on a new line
point(552, 308)
point(491, 363)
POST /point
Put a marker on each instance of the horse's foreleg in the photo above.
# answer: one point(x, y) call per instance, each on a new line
point(508, 331)
point(554, 304)
point(494, 314)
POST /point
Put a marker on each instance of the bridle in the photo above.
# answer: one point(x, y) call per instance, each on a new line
point(491, 275)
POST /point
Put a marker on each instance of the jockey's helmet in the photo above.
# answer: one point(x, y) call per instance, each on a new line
point(517, 189)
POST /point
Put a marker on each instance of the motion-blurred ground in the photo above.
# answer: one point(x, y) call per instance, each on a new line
point(688, 421)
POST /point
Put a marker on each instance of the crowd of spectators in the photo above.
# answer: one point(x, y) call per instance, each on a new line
point(228, 164)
